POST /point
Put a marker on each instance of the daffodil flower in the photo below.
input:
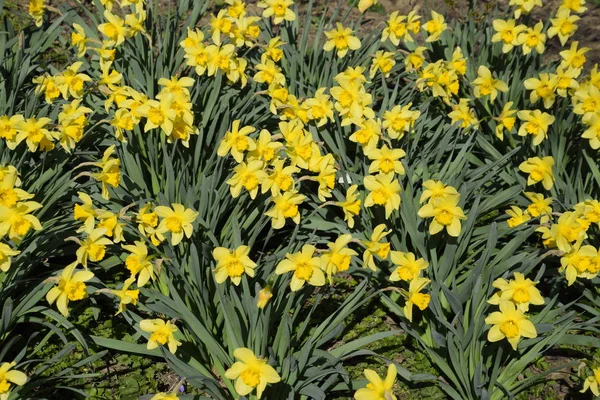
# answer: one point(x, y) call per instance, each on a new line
point(233, 264)
point(306, 268)
point(71, 287)
point(8, 377)
point(251, 372)
point(177, 220)
point(509, 323)
point(161, 333)
point(522, 292)
point(377, 388)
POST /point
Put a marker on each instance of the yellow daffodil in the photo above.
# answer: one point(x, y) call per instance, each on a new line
point(396, 29)
point(580, 262)
point(17, 221)
point(505, 121)
point(486, 85)
point(350, 205)
point(278, 9)
point(10, 195)
point(248, 176)
point(507, 32)
point(251, 372)
point(533, 39)
point(382, 61)
point(414, 60)
point(520, 291)
point(463, 114)
point(400, 120)
point(386, 160)
point(384, 190)
point(364, 5)
point(540, 206)
point(126, 296)
point(517, 216)
point(567, 233)
point(161, 333)
point(237, 141)
point(435, 26)
point(35, 134)
point(8, 377)
point(535, 123)
point(592, 382)
point(111, 171)
point(264, 296)
point(539, 170)
point(436, 190)
point(280, 179)
point(176, 220)
point(70, 287)
point(577, 6)
point(509, 323)
point(446, 214)
point(342, 40)
point(407, 266)
point(375, 246)
point(524, 7)
point(36, 11)
point(159, 114)
point(8, 129)
point(338, 257)
point(6, 253)
point(542, 88)
point(573, 57)
point(114, 29)
point(93, 247)
point(378, 389)
point(367, 134)
point(138, 262)
point(286, 206)
point(563, 25)
point(306, 268)
point(415, 297)
point(233, 264)
point(566, 81)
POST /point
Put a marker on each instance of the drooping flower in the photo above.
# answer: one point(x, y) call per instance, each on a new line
point(592, 382)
